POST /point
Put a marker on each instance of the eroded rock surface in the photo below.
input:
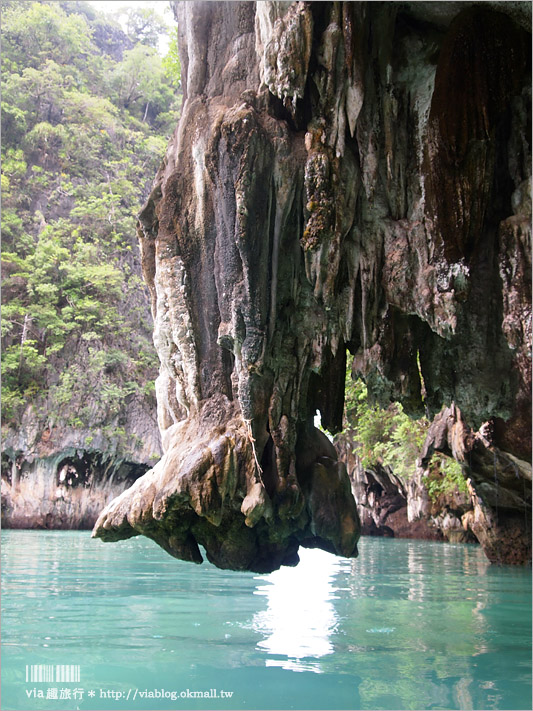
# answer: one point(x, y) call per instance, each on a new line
point(392, 507)
point(61, 477)
point(499, 483)
point(344, 175)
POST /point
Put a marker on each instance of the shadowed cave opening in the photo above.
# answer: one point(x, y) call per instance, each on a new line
point(94, 468)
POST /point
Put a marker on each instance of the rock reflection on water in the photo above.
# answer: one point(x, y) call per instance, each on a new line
point(300, 618)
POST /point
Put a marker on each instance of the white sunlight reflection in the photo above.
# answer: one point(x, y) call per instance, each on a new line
point(300, 617)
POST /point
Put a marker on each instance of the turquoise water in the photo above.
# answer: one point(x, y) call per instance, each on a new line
point(408, 625)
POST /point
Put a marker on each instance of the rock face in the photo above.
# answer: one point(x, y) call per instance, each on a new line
point(391, 507)
point(344, 175)
point(79, 414)
point(496, 510)
point(62, 477)
point(499, 485)
point(384, 500)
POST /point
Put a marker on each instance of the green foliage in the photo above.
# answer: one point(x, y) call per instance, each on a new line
point(82, 136)
point(13, 163)
point(171, 61)
point(80, 7)
point(140, 83)
point(22, 364)
point(390, 438)
point(382, 436)
point(144, 26)
point(406, 440)
point(445, 476)
point(33, 33)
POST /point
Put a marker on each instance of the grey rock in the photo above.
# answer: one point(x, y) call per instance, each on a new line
point(340, 178)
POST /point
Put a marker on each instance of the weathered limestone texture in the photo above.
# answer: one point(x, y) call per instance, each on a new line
point(61, 477)
point(344, 175)
point(391, 507)
point(499, 511)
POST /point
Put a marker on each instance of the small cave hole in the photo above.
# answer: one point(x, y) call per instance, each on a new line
point(73, 473)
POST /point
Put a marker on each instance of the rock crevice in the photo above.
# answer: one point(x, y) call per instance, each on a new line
point(304, 208)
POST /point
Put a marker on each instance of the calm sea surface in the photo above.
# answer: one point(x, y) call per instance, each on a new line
point(408, 625)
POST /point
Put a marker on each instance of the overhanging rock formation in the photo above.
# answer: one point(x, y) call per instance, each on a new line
point(344, 175)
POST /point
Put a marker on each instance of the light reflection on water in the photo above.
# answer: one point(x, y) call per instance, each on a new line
point(300, 616)
point(408, 624)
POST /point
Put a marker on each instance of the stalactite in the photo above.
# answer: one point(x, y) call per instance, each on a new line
point(305, 206)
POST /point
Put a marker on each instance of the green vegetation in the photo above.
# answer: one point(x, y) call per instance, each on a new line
point(171, 61)
point(86, 114)
point(445, 476)
point(389, 437)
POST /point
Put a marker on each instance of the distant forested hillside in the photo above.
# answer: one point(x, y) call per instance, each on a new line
point(87, 109)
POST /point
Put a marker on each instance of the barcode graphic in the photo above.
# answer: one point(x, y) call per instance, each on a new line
point(52, 672)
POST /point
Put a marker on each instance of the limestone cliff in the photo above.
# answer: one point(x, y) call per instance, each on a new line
point(390, 507)
point(345, 175)
point(498, 510)
point(78, 404)
point(494, 509)
point(62, 477)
